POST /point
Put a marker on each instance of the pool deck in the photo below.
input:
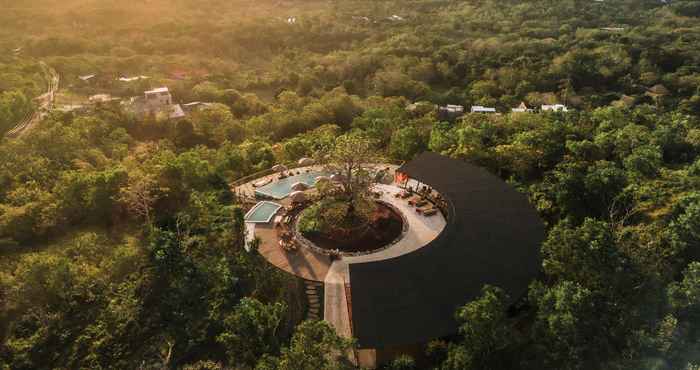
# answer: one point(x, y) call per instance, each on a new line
point(248, 190)
point(310, 265)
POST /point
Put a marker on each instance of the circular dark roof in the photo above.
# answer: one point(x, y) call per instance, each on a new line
point(492, 236)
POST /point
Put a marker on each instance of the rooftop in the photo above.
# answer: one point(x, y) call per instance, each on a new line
point(555, 107)
point(158, 90)
point(480, 109)
point(412, 298)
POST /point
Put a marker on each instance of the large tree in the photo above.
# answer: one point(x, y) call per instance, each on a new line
point(350, 158)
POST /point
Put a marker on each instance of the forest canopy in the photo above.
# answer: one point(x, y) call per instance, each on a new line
point(122, 243)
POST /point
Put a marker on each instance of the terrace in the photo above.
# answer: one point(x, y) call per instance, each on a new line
point(274, 223)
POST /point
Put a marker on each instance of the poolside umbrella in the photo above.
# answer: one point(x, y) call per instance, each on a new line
point(306, 162)
point(297, 196)
point(322, 178)
point(279, 168)
point(337, 177)
point(299, 186)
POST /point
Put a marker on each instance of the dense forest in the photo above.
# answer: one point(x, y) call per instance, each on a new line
point(121, 243)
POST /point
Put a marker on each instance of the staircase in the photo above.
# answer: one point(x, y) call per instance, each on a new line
point(314, 297)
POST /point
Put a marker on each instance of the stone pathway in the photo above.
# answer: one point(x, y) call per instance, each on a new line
point(314, 292)
point(336, 304)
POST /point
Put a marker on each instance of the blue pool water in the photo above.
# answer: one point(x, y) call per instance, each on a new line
point(262, 212)
point(280, 189)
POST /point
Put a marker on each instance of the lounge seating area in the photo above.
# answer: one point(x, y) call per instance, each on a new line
point(423, 201)
point(285, 235)
point(283, 226)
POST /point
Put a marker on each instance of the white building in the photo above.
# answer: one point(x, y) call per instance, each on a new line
point(522, 108)
point(480, 109)
point(87, 78)
point(555, 108)
point(102, 98)
point(158, 99)
point(157, 102)
point(131, 79)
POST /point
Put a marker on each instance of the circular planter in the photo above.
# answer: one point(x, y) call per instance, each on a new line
point(306, 243)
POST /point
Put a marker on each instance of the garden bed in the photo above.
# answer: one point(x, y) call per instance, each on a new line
point(385, 227)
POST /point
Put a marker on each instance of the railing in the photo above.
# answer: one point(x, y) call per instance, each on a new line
point(262, 173)
point(270, 171)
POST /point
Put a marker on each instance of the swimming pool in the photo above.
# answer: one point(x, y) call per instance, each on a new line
point(280, 189)
point(262, 212)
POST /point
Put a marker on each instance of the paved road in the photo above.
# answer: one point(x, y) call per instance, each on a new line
point(46, 103)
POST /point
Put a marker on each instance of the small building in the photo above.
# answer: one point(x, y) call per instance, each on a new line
point(480, 109)
point(102, 98)
point(72, 108)
point(157, 102)
point(132, 79)
point(522, 108)
point(158, 98)
point(195, 106)
point(87, 78)
point(555, 108)
point(450, 112)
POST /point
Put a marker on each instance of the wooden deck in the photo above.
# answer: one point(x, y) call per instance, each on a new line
point(303, 262)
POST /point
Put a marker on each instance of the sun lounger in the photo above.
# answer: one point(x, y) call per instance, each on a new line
point(430, 212)
point(262, 183)
point(421, 203)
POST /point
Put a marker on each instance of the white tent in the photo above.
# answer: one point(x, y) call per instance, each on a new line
point(298, 196)
point(306, 162)
point(279, 168)
point(299, 186)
